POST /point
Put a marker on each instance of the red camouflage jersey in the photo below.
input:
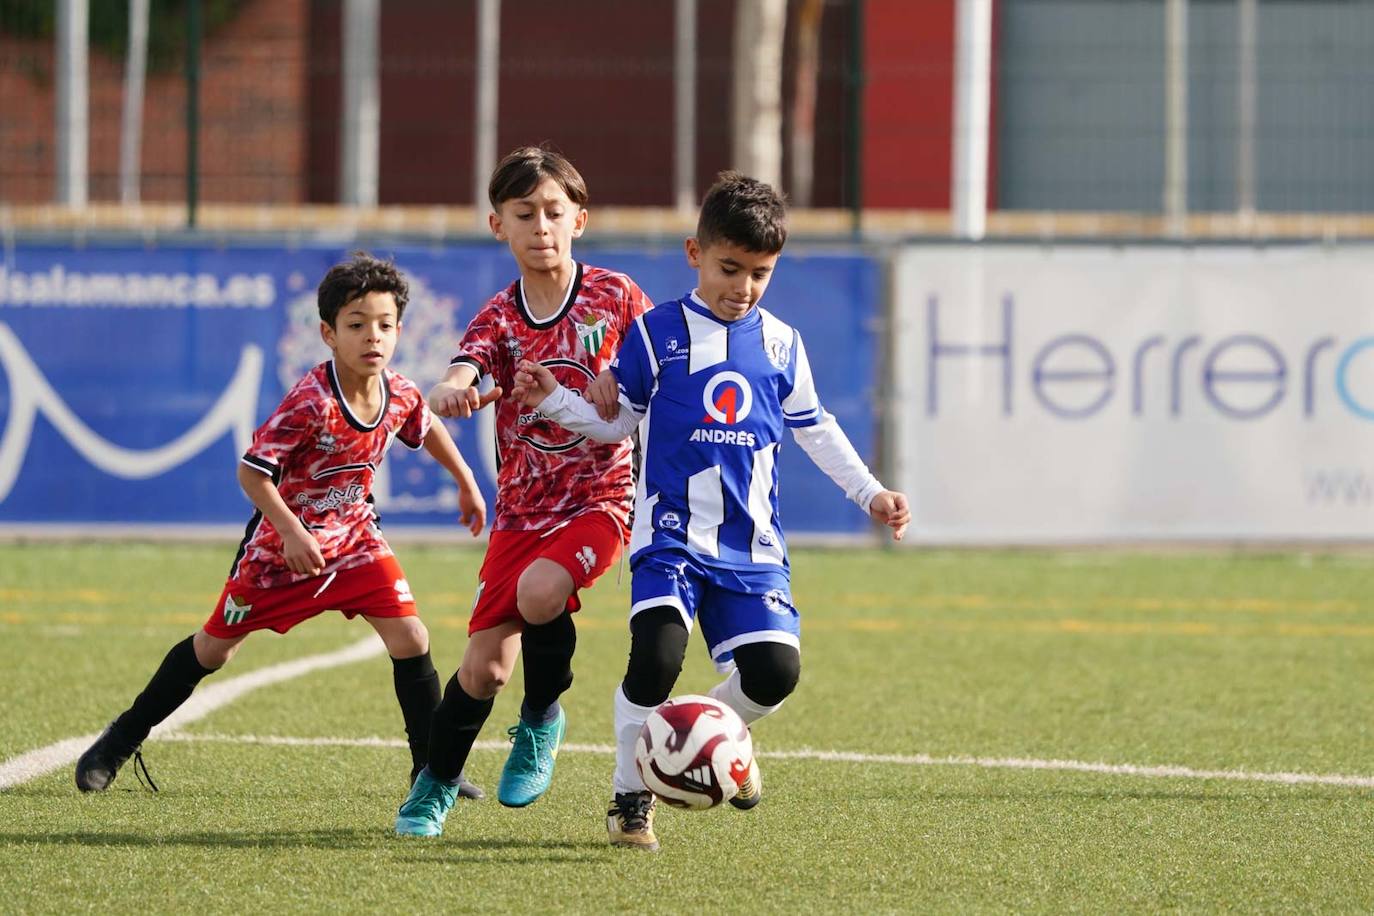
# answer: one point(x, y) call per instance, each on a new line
point(548, 475)
point(323, 459)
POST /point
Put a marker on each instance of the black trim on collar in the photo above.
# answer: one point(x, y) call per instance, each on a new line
point(540, 324)
point(353, 421)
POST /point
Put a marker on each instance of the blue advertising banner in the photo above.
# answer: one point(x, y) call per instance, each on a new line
point(133, 377)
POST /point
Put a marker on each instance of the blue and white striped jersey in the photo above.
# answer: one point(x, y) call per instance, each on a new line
point(716, 397)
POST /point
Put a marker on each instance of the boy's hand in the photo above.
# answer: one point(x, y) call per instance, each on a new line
point(890, 508)
point(604, 394)
point(473, 509)
point(302, 552)
point(449, 401)
point(533, 383)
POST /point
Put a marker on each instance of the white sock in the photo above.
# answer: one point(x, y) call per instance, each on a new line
point(731, 694)
point(629, 719)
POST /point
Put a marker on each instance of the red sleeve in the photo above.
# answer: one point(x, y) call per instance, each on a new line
point(636, 304)
point(290, 425)
point(480, 347)
point(416, 424)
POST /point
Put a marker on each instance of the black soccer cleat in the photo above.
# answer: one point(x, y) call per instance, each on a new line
point(466, 788)
point(99, 765)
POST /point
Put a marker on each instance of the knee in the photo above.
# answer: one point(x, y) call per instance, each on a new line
point(540, 597)
point(768, 672)
point(406, 637)
point(213, 652)
point(483, 680)
point(658, 644)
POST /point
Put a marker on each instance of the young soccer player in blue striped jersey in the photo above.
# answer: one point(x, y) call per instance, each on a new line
point(715, 379)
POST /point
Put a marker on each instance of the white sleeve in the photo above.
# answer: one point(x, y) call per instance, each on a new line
point(829, 448)
point(571, 412)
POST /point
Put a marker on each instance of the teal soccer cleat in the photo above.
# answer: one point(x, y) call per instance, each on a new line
point(425, 808)
point(529, 768)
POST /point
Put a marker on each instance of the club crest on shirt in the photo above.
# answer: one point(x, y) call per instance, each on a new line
point(675, 352)
point(592, 335)
point(779, 352)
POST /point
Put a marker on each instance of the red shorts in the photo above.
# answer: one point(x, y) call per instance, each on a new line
point(586, 547)
point(378, 589)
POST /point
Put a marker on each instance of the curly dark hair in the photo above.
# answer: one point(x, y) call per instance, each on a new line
point(744, 211)
point(359, 275)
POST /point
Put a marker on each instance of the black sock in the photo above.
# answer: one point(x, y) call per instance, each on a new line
point(548, 651)
point(457, 720)
point(417, 690)
point(170, 686)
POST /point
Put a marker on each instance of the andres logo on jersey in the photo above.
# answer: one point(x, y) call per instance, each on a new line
point(728, 399)
point(534, 429)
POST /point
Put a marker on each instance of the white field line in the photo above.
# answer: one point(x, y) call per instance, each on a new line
point(204, 701)
point(991, 763)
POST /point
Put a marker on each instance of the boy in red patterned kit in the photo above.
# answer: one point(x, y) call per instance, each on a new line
point(563, 501)
point(314, 543)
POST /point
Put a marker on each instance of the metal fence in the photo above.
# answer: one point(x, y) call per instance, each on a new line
point(1135, 110)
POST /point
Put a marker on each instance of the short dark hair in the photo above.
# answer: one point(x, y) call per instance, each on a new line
point(521, 171)
point(744, 211)
point(359, 275)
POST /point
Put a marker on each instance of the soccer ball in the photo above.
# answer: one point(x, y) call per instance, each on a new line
point(694, 752)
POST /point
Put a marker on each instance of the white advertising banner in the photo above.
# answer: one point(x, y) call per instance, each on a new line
point(1051, 394)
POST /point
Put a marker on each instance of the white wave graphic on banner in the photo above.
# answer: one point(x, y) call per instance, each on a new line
point(31, 393)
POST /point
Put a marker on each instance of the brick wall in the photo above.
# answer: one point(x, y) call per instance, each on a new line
point(252, 140)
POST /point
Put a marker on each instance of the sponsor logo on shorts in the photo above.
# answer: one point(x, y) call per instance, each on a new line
point(587, 557)
point(235, 610)
point(776, 600)
point(477, 595)
point(766, 539)
point(403, 591)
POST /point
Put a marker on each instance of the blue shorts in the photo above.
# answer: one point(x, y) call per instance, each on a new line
point(734, 607)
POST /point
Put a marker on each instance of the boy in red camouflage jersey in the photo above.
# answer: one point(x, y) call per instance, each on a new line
point(563, 501)
point(314, 543)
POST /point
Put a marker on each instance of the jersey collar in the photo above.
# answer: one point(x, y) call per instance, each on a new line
point(568, 299)
point(353, 421)
point(695, 303)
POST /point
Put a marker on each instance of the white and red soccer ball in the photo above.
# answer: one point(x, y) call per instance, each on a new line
point(695, 752)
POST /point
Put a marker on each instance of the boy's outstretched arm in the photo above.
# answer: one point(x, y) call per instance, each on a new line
point(535, 386)
point(827, 445)
point(455, 396)
point(471, 506)
point(891, 508)
point(299, 548)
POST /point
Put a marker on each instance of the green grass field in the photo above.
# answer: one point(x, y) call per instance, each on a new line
point(1253, 663)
